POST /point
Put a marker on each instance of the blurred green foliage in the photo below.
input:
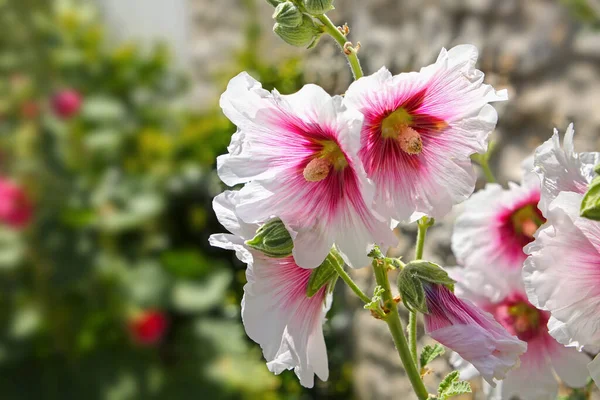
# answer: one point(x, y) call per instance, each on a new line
point(586, 11)
point(122, 195)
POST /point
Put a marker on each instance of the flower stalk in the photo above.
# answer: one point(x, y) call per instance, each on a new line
point(423, 224)
point(392, 319)
point(349, 51)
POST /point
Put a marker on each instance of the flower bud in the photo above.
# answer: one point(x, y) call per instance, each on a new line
point(275, 3)
point(318, 7)
point(272, 239)
point(287, 14)
point(66, 103)
point(148, 327)
point(412, 279)
point(304, 35)
point(16, 209)
point(590, 205)
point(324, 274)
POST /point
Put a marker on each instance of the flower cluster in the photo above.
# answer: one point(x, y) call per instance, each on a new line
point(325, 178)
point(338, 172)
point(492, 239)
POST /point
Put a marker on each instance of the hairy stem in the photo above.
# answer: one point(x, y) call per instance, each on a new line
point(392, 319)
point(350, 52)
point(351, 284)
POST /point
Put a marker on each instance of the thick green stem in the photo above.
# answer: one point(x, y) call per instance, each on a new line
point(423, 225)
point(346, 278)
point(395, 326)
point(350, 52)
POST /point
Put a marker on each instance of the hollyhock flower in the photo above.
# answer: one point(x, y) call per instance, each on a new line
point(544, 359)
point(562, 272)
point(276, 312)
point(15, 207)
point(561, 169)
point(66, 103)
point(148, 327)
point(472, 333)
point(421, 129)
point(496, 224)
point(299, 152)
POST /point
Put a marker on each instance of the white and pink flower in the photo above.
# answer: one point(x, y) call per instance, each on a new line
point(496, 224)
point(562, 272)
point(473, 334)
point(561, 169)
point(505, 299)
point(420, 130)
point(276, 312)
point(299, 154)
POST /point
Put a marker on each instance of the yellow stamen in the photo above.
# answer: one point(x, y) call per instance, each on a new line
point(410, 140)
point(397, 126)
point(317, 169)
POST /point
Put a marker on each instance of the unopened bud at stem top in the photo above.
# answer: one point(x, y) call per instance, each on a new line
point(318, 7)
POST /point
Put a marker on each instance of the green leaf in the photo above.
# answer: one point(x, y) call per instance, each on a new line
point(430, 353)
point(375, 303)
point(590, 206)
point(324, 273)
point(451, 386)
point(458, 388)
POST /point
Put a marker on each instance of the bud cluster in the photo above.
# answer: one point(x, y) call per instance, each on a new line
point(295, 22)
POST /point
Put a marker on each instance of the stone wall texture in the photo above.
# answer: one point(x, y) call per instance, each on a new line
point(549, 62)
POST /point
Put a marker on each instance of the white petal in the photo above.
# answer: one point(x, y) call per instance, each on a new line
point(570, 365)
point(594, 368)
point(561, 274)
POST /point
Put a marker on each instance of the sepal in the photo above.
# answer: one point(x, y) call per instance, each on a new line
point(272, 239)
point(287, 14)
point(304, 35)
point(318, 7)
point(325, 274)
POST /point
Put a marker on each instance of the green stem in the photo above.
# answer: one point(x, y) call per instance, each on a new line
point(346, 278)
point(333, 31)
point(412, 336)
point(487, 171)
point(392, 319)
point(423, 225)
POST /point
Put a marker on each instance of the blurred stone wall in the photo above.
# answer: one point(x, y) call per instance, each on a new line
point(549, 63)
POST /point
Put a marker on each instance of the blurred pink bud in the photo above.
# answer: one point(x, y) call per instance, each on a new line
point(15, 207)
point(148, 327)
point(66, 103)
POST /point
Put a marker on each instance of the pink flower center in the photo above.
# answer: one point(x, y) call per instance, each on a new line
point(525, 222)
point(520, 318)
point(329, 156)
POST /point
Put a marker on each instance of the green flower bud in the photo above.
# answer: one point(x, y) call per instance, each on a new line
point(590, 206)
point(318, 7)
point(272, 239)
point(411, 279)
point(287, 14)
point(412, 292)
point(275, 3)
point(324, 274)
point(304, 35)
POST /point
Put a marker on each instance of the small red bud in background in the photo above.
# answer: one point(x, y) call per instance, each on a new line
point(148, 327)
point(16, 209)
point(66, 103)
